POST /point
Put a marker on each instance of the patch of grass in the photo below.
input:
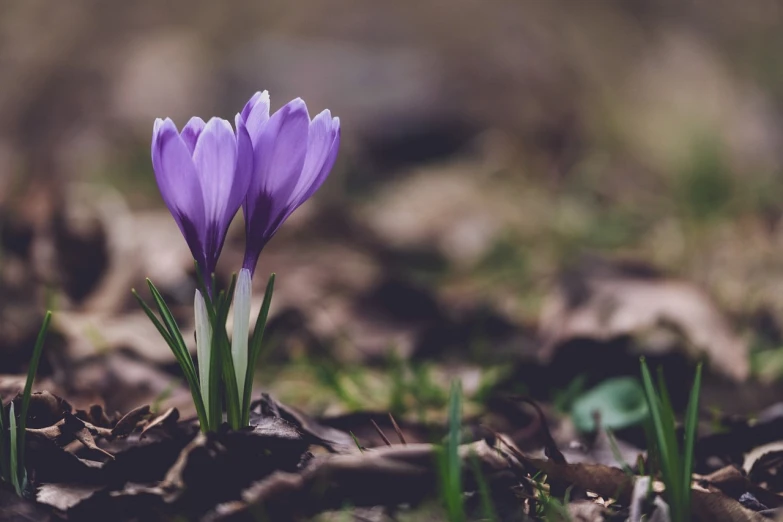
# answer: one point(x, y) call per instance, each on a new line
point(548, 507)
point(12, 447)
point(451, 465)
point(483, 489)
point(675, 461)
point(705, 187)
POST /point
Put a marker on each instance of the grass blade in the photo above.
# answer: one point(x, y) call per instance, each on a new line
point(147, 310)
point(224, 304)
point(483, 489)
point(356, 441)
point(171, 326)
point(178, 348)
point(255, 348)
point(453, 478)
point(14, 452)
point(658, 423)
point(673, 481)
point(28, 389)
point(691, 422)
point(223, 352)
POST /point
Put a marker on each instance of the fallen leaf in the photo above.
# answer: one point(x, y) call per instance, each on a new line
point(619, 401)
point(64, 496)
point(602, 301)
point(130, 421)
point(708, 506)
point(386, 476)
point(166, 420)
point(585, 511)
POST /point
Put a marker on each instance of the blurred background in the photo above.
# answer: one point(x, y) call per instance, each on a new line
point(528, 194)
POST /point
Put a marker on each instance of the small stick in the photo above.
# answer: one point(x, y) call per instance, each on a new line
point(397, 429)
point(380, 432)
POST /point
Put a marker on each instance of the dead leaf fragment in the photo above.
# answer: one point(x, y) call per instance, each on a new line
point(128, 423)
point(602, 301)
point(64, 496)
point(165, 420)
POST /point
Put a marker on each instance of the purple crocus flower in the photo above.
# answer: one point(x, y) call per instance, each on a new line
point(203, 174)
point(292, 157)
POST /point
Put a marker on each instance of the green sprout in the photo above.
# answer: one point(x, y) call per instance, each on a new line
point(675, 461)
point(451, 466)
point(215, 383)
point(12, 442)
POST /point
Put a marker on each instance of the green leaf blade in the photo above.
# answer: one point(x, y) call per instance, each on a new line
point(255, 348)
point(689, 442)
point(657, 419)
point(28, 389)
point(453, 478)
point(171, 334)
point(15, 464)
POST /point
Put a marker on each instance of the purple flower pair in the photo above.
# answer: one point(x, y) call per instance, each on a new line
point(269, 166)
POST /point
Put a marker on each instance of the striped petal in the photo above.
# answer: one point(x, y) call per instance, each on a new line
point(179, 184)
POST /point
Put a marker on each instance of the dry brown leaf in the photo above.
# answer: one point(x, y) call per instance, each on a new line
point(167, 418)
point(359, 479)
point(757, 453)
point(709, 506)
point(601, 301)
point(733, 482)
point(128, 423)
point(65, 496)
point(83, 432)
point(585, 511)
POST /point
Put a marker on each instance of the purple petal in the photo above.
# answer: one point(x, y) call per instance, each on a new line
point(179, 184)
point(323, 141)
point(256, 113)
point(215, 159)
point(244, 167)
point(191, 131)
point(280, 148)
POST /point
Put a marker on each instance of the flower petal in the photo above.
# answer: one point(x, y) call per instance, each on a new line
point(179, 184)
point(191, 131)
point(323, 141)
point(256, 112)
point(244, 167)
point(215, 159)
point(279, 151)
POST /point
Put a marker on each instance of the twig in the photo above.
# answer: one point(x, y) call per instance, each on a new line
point(397, 429)
point(386, 476)
point(380, 432)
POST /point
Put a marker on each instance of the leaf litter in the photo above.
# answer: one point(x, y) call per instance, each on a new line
point(87, 461)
